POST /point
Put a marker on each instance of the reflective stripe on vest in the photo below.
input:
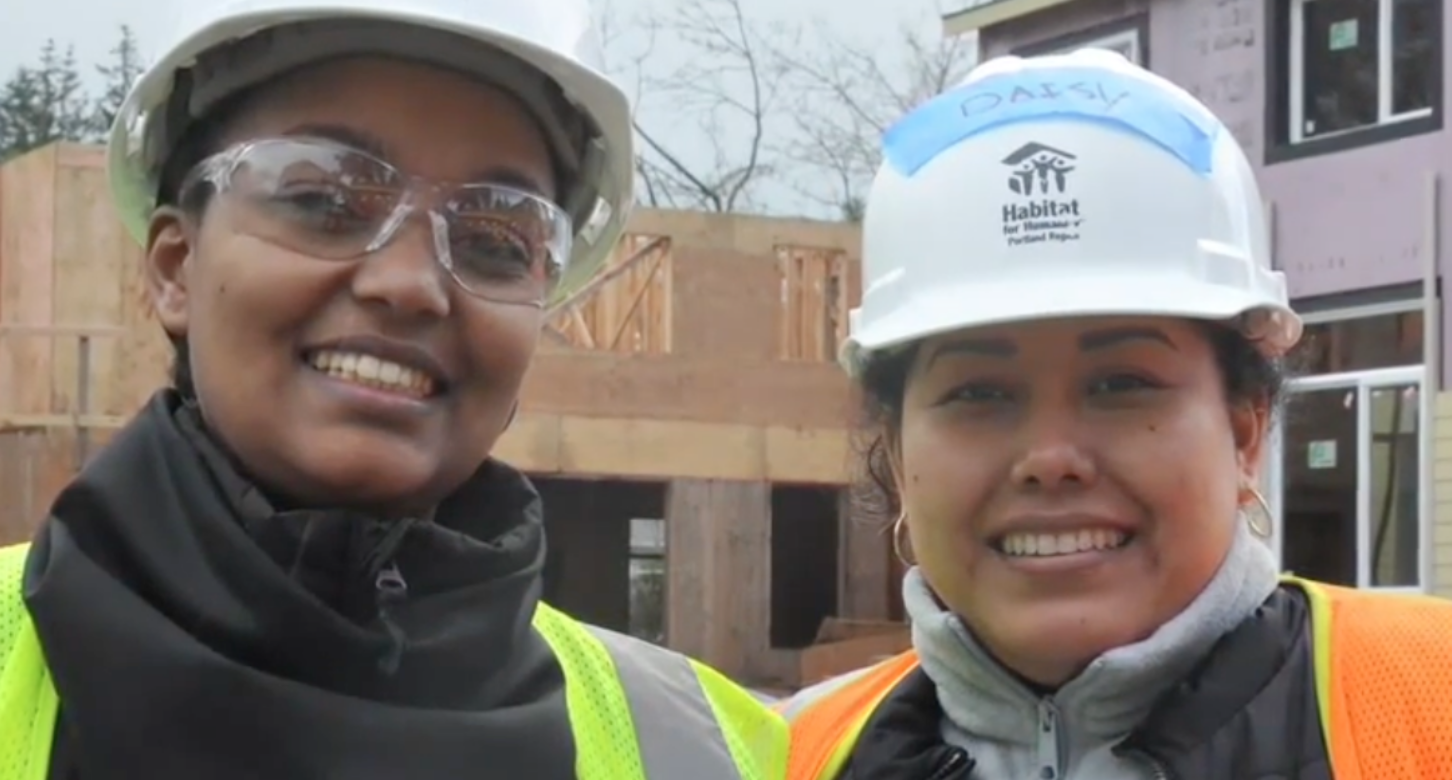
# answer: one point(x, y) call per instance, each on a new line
point(686, 700)
point(1383, 675)
point(638, 712)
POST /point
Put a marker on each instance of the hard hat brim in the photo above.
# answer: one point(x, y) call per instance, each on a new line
point(136, 149)
point(947, 309)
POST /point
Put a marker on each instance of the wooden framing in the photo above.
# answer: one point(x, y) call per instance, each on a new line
point(80, 417)
point(665, 449)
point(703, 349)
point(66, 263)
point(626, 308)
point(816, 284)
point(701, 356)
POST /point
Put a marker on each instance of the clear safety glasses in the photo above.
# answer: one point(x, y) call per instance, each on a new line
point(333, 202)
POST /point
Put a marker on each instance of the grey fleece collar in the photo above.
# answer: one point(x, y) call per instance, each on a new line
point(1114, 693)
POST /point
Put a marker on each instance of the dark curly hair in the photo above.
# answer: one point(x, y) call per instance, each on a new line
point(201, 140)
point(1248, 375)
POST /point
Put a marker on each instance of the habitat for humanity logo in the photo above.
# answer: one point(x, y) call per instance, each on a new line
point(1044, 211)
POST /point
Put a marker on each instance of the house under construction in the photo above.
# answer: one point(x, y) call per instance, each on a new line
point(685, 423)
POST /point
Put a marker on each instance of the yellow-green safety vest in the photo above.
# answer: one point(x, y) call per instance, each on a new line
point(638, 712)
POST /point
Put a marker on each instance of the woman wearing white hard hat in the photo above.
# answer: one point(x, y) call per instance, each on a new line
point(1072, 341)
point(299, 561)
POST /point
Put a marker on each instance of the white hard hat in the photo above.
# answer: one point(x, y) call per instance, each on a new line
point(1062, 186)
point(546, 52)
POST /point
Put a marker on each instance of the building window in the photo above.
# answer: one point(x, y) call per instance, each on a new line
point(1353, 67)
point(1126, 36)
point(1350, 484)
point(1125, 42)
point(1338, 346)
point(648, 579)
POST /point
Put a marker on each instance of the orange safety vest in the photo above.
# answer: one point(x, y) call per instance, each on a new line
point(1383, 669)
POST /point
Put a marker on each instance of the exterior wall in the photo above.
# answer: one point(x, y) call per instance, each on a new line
point(1442, 490)
point(1343, 221)
point(718, 593)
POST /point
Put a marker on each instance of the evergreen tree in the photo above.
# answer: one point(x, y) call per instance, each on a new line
point(119, 75)
point(44, 104)
point(70, 105)
point(18, 97)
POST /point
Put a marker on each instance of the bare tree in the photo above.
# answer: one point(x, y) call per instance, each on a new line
point(799, 106)
point(632, 78)
point(724, 91)
point(845, 94)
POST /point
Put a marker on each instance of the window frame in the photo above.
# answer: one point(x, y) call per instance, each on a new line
point(1285, 104)
point(1134, 29)
point(1363, 383)
point(1128, 35)
point(1350, 308)
point(656, 555)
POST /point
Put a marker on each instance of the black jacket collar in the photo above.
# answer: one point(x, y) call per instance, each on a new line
point(171, 599)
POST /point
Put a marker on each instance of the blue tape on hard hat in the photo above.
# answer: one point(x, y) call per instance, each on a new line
point(1082, 94)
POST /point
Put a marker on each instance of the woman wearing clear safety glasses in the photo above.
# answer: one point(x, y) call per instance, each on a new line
point(299, 560)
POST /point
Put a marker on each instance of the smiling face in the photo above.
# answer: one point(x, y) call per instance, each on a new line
point(1071, 485)
point(277, 338)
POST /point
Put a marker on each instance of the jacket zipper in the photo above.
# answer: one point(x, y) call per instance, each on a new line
point(391, 590)
point(956, 763)
point(1157, 769)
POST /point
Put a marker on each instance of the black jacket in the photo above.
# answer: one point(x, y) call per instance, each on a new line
point(193, 631)
point(1248, 712)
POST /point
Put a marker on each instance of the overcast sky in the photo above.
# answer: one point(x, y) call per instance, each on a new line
point(92, 27)
point(91, 24)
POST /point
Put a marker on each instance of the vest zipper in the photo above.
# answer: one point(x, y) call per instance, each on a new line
point(391, 590)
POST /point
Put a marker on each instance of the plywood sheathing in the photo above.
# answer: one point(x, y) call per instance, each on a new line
point(714, 284)
point(831, 658)
point(699, 388)
point(32, 469)
point(35, 464)
point(685, 378)
point(66, 263)
point(746, 388)
point(719, 581)
point(706, 361)
point(27, 233)
point(726, 305)
point(657, 449)
point(867, 585)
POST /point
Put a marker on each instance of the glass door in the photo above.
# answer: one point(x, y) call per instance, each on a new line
point(1395, 487)
point(1347, 479)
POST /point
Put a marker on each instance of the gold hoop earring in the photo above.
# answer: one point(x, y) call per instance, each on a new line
point(898, 527)
point(1266, 527)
